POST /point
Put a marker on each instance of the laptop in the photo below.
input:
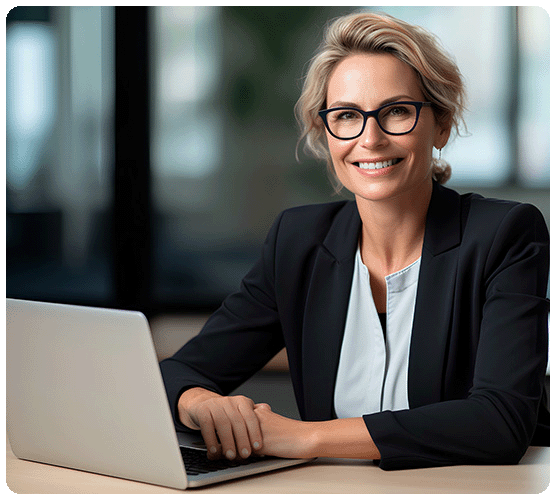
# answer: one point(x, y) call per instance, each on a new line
point(84, 391)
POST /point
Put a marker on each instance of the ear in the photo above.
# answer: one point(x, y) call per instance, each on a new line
point(442, 136)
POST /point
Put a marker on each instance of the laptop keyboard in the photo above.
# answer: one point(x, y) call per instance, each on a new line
point(196, 462)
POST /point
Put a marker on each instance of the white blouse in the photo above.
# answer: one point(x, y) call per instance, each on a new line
point(373, 365)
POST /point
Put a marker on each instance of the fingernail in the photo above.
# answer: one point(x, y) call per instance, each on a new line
point(213, 450)
point(256, 445)
point(245, 452)
point(230, 455)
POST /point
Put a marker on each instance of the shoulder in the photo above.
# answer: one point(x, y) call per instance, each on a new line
point(300, 231)
point(496, 231)
point(318, 210)
point(315, 220)
point(474, 221)
point(490, 215)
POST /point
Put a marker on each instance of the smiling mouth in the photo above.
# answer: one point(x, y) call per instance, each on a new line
point(377, 165)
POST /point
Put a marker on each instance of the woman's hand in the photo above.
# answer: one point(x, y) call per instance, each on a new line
point(229, 425)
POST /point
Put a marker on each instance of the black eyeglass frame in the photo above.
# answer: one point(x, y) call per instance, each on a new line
point(366, 114)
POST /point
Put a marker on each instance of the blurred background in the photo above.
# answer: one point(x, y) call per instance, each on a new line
point(150, 148)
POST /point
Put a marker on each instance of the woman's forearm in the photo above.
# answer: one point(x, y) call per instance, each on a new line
point(343, 438)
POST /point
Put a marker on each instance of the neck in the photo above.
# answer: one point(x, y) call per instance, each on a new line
point(393, 229)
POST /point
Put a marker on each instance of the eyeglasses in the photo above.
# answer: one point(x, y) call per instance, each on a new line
point(397, 118)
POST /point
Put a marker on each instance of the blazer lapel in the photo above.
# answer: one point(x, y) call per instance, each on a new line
point(434, 299)
point(326, 311)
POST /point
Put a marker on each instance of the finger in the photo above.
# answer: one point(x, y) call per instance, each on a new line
point(253, 426)
point(239, 428)
point(208, 431)
point(225, 433)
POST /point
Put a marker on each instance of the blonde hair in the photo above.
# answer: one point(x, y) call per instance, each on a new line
point(439, 76)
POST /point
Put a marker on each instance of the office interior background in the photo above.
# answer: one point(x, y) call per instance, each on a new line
point(150, 148)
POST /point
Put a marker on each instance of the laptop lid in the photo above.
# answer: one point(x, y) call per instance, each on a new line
point(84, 391)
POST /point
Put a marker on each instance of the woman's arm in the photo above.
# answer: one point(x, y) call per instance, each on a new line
point(495, 421)
point(236, 341)
point(236, 427)
point(342, 438)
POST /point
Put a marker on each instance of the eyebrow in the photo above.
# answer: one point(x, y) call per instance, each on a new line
point(389, 100)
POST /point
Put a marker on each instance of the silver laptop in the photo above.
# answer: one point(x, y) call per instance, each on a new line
point(84, 391)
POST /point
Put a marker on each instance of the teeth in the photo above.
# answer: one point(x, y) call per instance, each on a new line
point(375, 166)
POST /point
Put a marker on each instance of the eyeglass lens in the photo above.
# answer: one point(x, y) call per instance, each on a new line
point(395, 118)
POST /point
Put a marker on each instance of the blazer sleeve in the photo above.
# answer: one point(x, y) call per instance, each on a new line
point(236, 341)
point(495, 423)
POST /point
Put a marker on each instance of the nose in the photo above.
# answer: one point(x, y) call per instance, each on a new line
point(373, 136)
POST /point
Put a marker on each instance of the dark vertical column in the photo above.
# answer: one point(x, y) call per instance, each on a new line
point(132, 233)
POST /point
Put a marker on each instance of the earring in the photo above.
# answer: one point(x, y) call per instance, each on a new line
point(440, 155)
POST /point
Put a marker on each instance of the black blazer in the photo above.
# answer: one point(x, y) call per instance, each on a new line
point(478, 350)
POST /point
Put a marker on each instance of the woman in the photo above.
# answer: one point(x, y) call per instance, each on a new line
point(415, 319)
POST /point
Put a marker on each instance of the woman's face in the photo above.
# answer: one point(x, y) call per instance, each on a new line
point(366, 82)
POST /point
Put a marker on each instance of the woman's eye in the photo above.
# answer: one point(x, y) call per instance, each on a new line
point(346, 115)
point(397, 111)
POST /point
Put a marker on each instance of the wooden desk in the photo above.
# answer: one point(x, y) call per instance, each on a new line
point(320, 476)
